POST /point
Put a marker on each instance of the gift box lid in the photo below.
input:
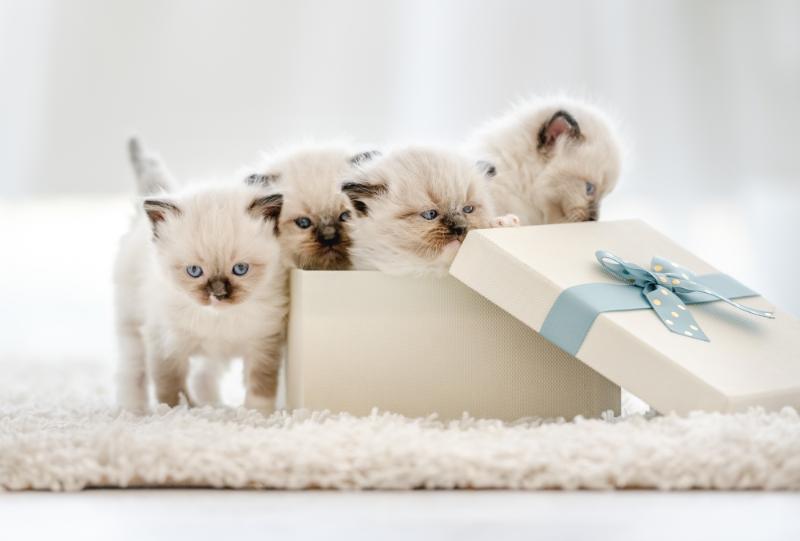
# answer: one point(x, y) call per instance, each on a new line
point(747, 361)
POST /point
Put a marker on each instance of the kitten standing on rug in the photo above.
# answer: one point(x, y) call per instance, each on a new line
point(555, 160)
point(199, 274)
point(415, 207)
point(314, 228)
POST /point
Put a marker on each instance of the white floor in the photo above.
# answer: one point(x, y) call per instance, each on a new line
point(147, 515)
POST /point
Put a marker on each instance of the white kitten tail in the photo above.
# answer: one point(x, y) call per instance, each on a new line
point(152, 175)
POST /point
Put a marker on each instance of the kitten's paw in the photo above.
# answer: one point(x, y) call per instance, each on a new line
point(261, 403)
point(185, 399)
point(135, 409)
point(509, 220)
point(137, 406)
point(133, 398)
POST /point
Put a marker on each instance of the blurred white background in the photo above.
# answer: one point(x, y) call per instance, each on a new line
point(707, 93)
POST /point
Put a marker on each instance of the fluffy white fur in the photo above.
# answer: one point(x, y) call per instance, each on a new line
point(392, 194)
point(545, 180)
point(310, 179)
point(164, 316)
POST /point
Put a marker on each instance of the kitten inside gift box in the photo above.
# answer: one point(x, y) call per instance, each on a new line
point(204, 272)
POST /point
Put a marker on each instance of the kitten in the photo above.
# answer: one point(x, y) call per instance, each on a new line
point(199, 274)
point(314, 225)
point(415, 207)
point(555, 160)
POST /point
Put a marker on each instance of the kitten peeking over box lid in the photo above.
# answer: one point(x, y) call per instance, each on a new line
point(678, 353)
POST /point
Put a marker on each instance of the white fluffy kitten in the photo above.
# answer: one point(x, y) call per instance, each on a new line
point(315, 222)
point(199, 274)
point(416, 205)
point(554, 160)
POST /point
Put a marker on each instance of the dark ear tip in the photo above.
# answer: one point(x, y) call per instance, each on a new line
point(157, 211)
point(160, 204)
point(270, 199)
point(268, 207)
point(561, 113)
point(362, 157)
point(560, 123)
point(353, 188)
point(258, 179)
point(356, 189)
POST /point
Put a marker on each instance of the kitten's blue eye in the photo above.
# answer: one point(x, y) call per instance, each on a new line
point(303, 223)
point(468, 209)
point(590, 189)
point(240, 269)
point(429, 214)
point(343, 217)
point(194, 271)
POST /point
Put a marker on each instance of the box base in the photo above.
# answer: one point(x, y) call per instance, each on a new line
point(360, 340)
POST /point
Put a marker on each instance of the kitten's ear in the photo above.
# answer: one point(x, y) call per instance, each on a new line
point(560, 124)
point(360, 191)
point(364, 157)
point(159, 210)
point(267, 208)
point(257, 179)
point(487, 168)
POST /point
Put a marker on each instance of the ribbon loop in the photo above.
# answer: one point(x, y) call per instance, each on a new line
point(667, 286)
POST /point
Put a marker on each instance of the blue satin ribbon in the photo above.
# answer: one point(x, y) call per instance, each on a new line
point(666, 289)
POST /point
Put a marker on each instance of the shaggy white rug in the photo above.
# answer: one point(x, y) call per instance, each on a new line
point(59, 431)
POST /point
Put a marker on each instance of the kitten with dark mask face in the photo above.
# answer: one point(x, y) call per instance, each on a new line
point(199, 275)
point(555, 160)
point(314, 228)
point(415, 207)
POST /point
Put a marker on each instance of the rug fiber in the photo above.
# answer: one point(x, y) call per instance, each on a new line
point(59, 431)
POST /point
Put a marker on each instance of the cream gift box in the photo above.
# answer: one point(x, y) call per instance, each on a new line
point(749, 360)
point(417, 346)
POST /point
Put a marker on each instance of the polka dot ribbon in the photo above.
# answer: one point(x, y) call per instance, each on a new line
point(663, 285)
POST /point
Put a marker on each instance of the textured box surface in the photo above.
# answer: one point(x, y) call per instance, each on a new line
point(417, 346)
point(750, 361)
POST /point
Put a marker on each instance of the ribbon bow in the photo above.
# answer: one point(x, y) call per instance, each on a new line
point(666, 287)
